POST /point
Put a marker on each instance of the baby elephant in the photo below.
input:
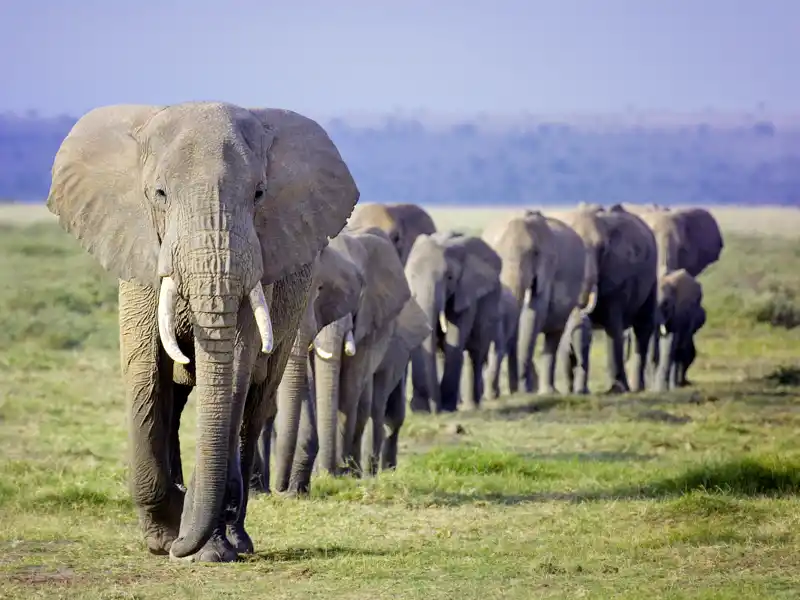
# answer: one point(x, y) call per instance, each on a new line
point(573, 351)
point(681, 315)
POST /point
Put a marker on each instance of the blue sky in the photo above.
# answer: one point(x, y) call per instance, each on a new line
point(460, 57)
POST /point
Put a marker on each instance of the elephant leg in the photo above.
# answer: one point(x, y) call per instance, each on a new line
point(260, 476)
point(307, 442)
point(363, 417)
point(147, 375)
point(455, 340)
point(548, 361)
point(568, 362)
point(512, 370)
point(180, 396)
point(494, 360)
point(666, 363)
point(374, 434)
point(614, 340)
point(688, 353)
point(394, 419)
point(354, 377)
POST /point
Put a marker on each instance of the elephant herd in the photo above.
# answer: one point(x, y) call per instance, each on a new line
point(248, 274)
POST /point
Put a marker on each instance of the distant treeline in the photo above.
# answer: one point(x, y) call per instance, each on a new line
point(404, 160)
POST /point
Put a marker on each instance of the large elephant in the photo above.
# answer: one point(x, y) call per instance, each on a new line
point(621, 267)
point(337, 284)
point(401, 222)
point(687, 238)
point(210, 215)
point(456, 281)
point(681, 313)
point(544, 266)
point(345, 384)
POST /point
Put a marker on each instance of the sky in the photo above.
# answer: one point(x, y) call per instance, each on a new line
point(455, 57)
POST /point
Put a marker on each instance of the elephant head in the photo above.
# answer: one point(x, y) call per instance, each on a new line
point(529, 254)
point(382, 297)
point(702, 242)
point(401, 222)
point(447, 274)
point(204, 202)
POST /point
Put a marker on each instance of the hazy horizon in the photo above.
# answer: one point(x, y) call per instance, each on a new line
point(501, 58)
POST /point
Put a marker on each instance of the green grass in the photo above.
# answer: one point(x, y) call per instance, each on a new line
point(686, 495)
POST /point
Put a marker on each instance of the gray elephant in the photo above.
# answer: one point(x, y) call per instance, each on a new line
point(210, 215)
point(388, 409)
point(681, 314)
point(687, 238)
point(621, 267)
point(544, 266)
point(456, 281)
point(573, 351)
point(345, 385)
point(337, 284)
point(401, 222)
point(503, 343)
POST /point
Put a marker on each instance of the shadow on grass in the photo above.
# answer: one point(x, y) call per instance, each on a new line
point(288, 555)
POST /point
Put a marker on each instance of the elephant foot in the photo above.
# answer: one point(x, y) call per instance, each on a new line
point(160, 524)
point(617, 388)
point(258, 485)
point(239, 539)
point(217, 549)
point(547, 390)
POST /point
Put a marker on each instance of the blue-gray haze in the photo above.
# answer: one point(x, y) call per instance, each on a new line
point(479, 101)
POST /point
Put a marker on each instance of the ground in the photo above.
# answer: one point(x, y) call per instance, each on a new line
point(683, 495)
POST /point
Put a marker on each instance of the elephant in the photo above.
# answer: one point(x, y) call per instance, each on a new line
point(346, 385)
point(337, 284)
point(505, 332)
point(573, 351)
point(210, 216)
point(401, 222)
point(456, 281)
point(681, 314)
point(544, 266)
point(621, 271)
point(687, 238)
point(380, 440)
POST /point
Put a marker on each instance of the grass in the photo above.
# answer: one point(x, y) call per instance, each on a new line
point(691, 494)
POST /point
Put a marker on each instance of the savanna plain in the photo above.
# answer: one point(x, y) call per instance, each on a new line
point(690, 494)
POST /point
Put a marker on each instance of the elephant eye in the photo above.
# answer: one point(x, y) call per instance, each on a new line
point(161, 194)
point(259, 194)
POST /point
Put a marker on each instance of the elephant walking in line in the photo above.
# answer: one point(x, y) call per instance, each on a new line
point(681, 312)
point(621, 267)
point(337, 284)
point(210, 215)
point(456, 281)
point(544, 267)
point(687, 238)
point(401, 222)
point(346, 384)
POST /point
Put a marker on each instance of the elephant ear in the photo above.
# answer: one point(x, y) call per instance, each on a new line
point(310, 192)
point(412, 325)
point(480, 273)
point(385, 289)
point(97, 195)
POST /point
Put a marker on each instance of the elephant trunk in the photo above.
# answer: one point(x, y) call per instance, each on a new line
point(327, 370)
point(214, 332)
point(424, 376)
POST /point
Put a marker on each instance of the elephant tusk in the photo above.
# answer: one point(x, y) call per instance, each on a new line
point(263, 320)
point(662, 330)
point(527, 298)
point(349, 344)
point(322, 353)
point(591, 303)
point(166, 320)
point(443, 321)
